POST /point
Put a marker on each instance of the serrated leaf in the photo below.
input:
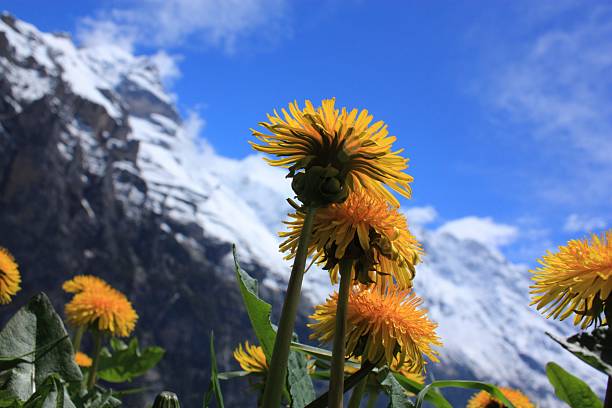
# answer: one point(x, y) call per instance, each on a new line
point(570, 389)
point(300, 383)
point(124, 362)
point(29, 333)
point(258, 310)
point(391, 387)
point(593, 348)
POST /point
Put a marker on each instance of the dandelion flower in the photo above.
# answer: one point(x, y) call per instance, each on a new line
point(9, 276)
point(383, 326)
point(251, 358)
point(82, 283)
point(344, 140)
point(363, 227)
point(577, 279)
point(485, 400)
point(107, 310)
point(82, 359)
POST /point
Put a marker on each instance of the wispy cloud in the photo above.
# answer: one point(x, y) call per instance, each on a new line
point(421, 216)
point(584, 223)
point(559, 85)
point(188, 23)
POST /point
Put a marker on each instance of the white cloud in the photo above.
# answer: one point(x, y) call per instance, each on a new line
point(167, 65)
point(92, 33)
point(191, 23)
point(559, 83)
point(583, 223)
point(481, 229)
point(421, 215)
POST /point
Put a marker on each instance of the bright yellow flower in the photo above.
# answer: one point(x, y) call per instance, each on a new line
point(82, 359)
point(577, 279)
point(345, 140)
point(485, 400)
point(251, 358)
point(383, 326)
point(82, 283)
point(107, 310)
point(9, 276)
point(365, 228)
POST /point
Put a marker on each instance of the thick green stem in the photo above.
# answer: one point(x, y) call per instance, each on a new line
point(372, 399)
point(336, 380)
point(91, 380)
point(275, 383)
point(78, 336)
point(357, 395)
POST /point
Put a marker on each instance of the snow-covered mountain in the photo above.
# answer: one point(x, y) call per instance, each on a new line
point(99, 174)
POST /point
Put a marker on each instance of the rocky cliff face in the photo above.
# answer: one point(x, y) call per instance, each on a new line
point(99, 176)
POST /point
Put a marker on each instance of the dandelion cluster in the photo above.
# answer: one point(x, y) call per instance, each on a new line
point(383, 326)
point(576, 280)
point(97, 304)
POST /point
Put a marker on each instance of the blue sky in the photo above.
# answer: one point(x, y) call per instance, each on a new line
point(504, 107)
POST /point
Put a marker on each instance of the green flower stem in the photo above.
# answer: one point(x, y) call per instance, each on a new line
point(372, 399)
point(357, 395)
point(78, 336)
point(275, 383)
point(336, 380)
point(91, 380)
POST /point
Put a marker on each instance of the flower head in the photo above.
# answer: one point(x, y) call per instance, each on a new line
point(9, 276)
point(485, 400)
point(82, 283)
point(251, 358)
point(105, 309)
point(365, 228)
point(383, 326)
point(328, 138)
point(82, 359)
point(577, 279)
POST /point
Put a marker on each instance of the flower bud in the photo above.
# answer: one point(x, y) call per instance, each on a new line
point(166, 399)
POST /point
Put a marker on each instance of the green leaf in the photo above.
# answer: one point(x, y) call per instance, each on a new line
point(391, 387)
point(98, 397)
point(593, 348)
point(315, 351)
point(258, 310)
point(52, 393)
point(478, 385)
point(28, 334)
point(433, 396)
point(124, 362)
point(570, 389)
point(8, 400)
point(214, 387)
point(300, 383)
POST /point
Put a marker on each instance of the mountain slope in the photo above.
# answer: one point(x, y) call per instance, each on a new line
point(98, 174)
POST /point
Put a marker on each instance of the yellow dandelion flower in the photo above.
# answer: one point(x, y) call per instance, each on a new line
point(107, 310)
point(81, 283)
point(251, 358)
point(82, 359)
point(383, 326)
point(485, 400)
point(9, 276)
point(363, 227)
point(577, 279)
point(344, 140)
